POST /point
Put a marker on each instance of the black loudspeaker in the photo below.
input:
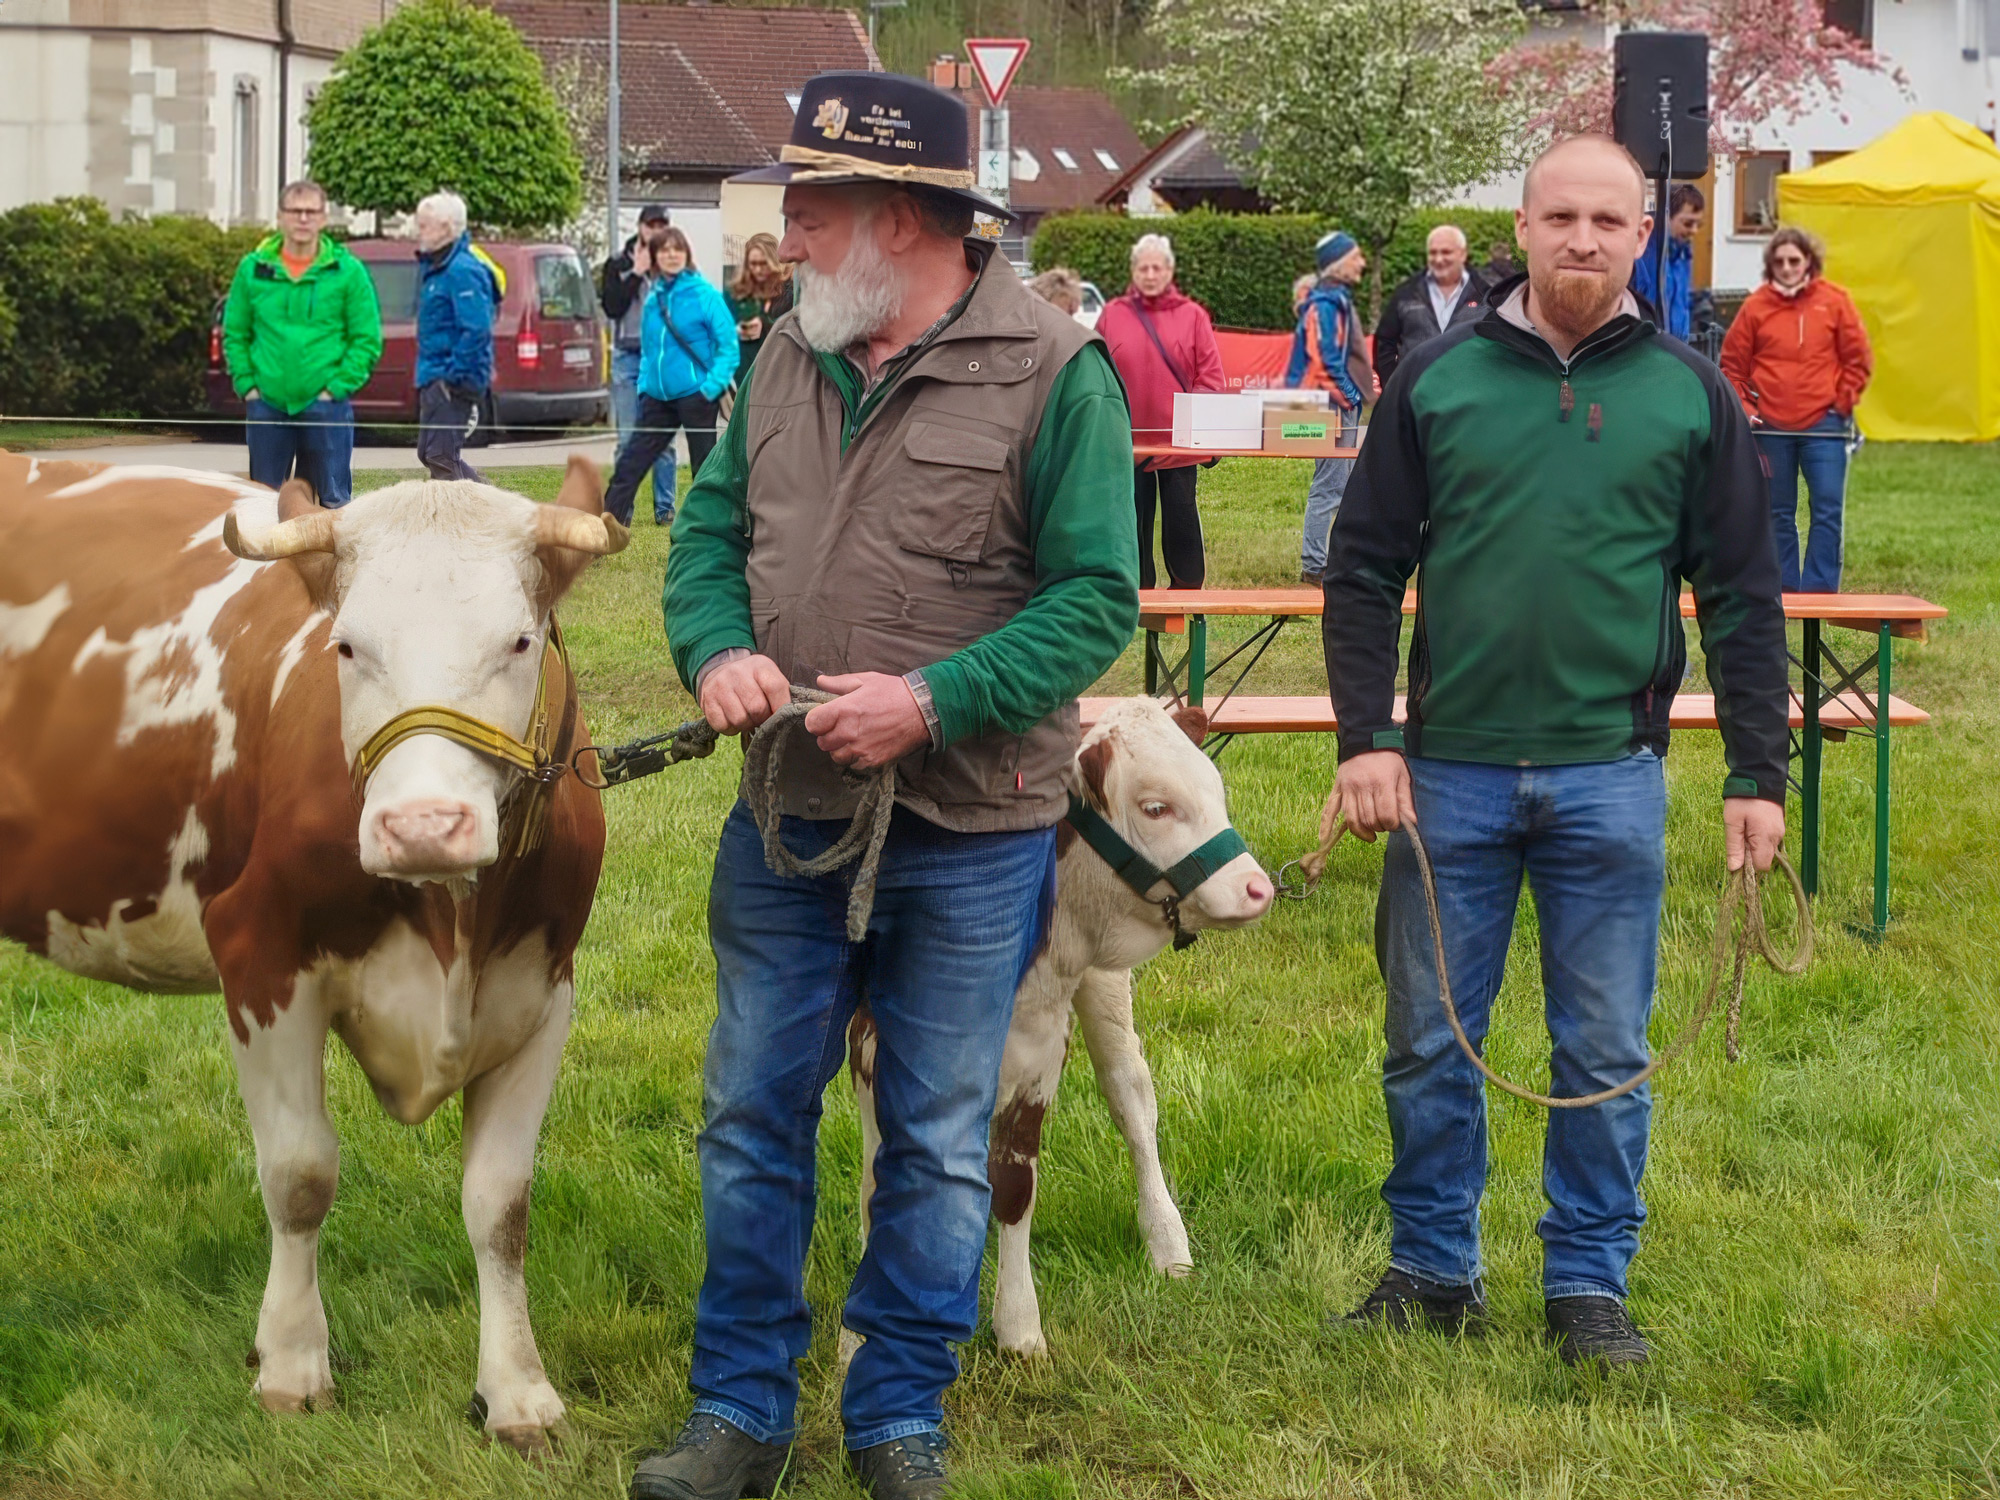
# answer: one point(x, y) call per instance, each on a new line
point(1659, 100)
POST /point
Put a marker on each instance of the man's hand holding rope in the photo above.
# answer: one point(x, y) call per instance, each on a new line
point(873, 722)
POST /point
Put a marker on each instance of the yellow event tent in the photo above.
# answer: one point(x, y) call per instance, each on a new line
point(1912, 230)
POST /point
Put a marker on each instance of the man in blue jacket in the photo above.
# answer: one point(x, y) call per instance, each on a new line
point(687, 357)
point(459, 292)
point(1685, 206)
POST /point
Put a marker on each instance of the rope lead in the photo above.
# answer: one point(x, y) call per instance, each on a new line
point(1741, 889)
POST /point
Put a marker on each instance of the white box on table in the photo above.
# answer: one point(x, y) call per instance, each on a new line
point(1205, 419)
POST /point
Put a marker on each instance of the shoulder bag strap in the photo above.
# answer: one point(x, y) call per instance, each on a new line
point(1153, 333)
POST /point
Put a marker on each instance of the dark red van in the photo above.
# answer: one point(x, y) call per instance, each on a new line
point(548, 343)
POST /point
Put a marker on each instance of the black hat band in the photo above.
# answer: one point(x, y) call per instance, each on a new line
point(828, 164)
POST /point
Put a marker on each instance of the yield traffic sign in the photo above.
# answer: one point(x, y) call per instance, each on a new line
point(996, 60)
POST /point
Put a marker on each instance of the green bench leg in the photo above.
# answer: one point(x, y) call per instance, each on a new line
point(1152, 662)
point(1197, 672)
point(1882, 782)
point(1809, 763)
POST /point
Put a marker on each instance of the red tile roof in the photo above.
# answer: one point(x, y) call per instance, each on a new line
point(704, 86)
point(1079, 122)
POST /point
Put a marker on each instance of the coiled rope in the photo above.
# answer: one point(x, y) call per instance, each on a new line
point(763, 764)
point(1741, 890)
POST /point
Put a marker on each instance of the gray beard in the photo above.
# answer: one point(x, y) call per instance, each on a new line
point(856, 302)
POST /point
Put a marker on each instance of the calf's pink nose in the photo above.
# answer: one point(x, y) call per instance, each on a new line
point(1257, 891)
point(429, 836)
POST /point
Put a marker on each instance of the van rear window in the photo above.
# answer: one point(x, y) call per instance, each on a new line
point(562, 288)
point(395, 288)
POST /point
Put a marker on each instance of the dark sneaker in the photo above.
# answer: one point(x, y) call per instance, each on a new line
point(910, 1468)
point(1595, 1328)
point(1402, 1302)
point(1307, 576)
point(711, 1460)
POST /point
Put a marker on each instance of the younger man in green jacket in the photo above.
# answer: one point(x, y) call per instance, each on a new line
point(301, 334)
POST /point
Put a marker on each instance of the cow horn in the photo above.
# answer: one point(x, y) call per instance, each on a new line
point(559, 526)
point(308, 533)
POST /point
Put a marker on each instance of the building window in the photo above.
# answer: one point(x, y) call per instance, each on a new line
point(1026, 168)
point(1855, 17)
point(1104, 158)
point(1757, 190)
point(1063, 159)
point(243, 132)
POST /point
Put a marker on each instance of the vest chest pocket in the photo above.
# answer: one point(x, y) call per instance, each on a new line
point(944, 496)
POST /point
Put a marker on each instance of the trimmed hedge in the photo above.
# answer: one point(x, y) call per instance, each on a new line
point(1241, 266)
point(111, 317)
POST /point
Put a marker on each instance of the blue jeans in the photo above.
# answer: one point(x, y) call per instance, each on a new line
point(625, 413)
point(317, 444)
point(1592, 842)
point(1329, 483)
point(1819, 453)
point(957, 920)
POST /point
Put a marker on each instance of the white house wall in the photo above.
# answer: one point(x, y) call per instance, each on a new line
point(44, 116)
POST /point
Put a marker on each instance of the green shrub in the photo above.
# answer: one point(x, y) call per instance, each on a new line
point(1241, 266)
point(111, 317)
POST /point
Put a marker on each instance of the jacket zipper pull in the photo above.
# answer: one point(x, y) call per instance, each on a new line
point(1565, 402)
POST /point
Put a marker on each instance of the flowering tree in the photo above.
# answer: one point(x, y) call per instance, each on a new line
point(1767, 59)
point(1362, 109)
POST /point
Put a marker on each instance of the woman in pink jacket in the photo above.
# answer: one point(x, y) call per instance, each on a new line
point(1162, 341)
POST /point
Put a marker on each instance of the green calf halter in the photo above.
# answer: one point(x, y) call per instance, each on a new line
point(1141, 874)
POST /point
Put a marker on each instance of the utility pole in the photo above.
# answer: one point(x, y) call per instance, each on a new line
point(614, 154)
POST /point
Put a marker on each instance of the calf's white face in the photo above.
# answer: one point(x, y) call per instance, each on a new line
point(1143, 769)
point(440, 593)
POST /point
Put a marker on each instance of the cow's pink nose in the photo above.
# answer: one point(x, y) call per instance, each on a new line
point(429, 837)
point(1258, 892)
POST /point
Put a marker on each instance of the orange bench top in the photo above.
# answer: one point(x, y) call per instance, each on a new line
point(1249, 715)
point(1168, 450)
point(1166, 610)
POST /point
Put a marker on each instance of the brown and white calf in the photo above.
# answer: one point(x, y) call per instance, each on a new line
point(1143, 770)
point(177, 727)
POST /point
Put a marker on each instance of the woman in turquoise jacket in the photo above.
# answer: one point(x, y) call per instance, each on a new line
point(687, 357)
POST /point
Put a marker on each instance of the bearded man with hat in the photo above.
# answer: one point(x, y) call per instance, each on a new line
point(922, 505)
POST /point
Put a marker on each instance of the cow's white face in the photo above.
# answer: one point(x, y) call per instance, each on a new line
point(1143, 769)
point(440, 593)
point(435, 618)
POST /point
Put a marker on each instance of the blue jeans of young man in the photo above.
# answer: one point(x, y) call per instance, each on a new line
point(1329, 483)
point(957, 920)
point(625, 412)
point(316, 444)
point(1591, 840)
point(1820, 454)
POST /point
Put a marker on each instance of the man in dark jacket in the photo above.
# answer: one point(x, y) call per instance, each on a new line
point(1445, 292)
point(1558, 467)
point(626, 280)
point(456, 298)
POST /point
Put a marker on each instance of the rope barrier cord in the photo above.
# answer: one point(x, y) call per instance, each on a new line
point(763, 764)
point(1740, 889)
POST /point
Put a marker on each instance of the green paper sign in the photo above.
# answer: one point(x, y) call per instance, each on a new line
point(1302, 429)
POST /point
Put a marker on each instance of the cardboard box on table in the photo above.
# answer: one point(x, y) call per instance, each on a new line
point(1302, 431)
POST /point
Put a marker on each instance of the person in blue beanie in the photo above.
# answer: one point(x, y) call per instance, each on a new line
point(1685, 206)
point(1329, 353)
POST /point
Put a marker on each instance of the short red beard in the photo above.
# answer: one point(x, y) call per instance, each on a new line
point(1575, 303)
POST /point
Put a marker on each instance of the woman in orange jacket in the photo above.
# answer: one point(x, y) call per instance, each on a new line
point(1799, 359)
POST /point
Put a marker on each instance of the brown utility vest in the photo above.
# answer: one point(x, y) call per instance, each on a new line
point(911, 544)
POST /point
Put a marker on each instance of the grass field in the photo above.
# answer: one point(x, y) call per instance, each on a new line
point(1820, 1276)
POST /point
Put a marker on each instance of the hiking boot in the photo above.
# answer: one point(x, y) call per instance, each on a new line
point(910, 1468)
point(1306, 575)
point(711, 1460)
point(1595, 1328)
point(1401, 1301)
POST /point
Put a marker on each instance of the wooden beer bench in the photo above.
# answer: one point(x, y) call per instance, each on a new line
point(1832, 700)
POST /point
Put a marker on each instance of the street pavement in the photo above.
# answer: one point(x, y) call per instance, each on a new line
point(234, 458)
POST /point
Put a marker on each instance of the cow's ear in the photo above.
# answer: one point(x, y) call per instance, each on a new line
point(1093, 762)
point(295, 499)
point(582, 490)
point(317, 569)
point(1193, 722)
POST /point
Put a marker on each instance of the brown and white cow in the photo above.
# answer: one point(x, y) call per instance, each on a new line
point(177, 727)
point(1143, 770)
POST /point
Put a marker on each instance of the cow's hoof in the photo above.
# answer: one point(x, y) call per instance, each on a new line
point(1180, 1270)
point(294, 1403)
point(1028, 1346)
point(530, 1425)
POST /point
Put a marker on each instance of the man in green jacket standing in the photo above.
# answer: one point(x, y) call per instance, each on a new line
point(1551, 473)
point(301, 334)
point(923, 505)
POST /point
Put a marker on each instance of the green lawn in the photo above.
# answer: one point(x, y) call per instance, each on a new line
point(1818, 1277)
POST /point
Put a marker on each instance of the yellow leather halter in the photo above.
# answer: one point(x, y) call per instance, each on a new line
point(533, 755)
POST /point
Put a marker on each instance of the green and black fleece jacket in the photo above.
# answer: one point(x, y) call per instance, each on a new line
point(1550, 511)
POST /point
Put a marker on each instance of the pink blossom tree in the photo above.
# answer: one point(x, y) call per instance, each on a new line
point(1767, 59)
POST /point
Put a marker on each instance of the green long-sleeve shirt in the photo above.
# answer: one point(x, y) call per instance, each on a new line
point(1081, 522)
